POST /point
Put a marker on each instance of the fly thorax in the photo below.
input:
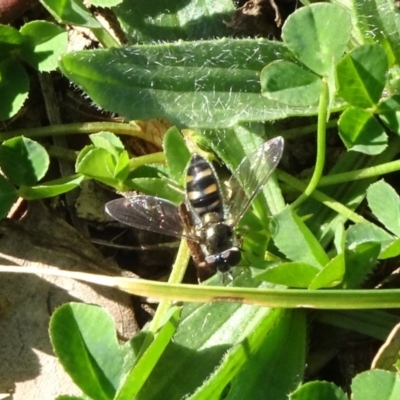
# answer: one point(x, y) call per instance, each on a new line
point(219, 237)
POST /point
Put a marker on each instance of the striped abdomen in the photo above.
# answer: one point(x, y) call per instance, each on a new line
point(202, 188)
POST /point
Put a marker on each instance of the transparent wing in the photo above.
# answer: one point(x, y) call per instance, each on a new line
point(149, 213)
point(251, 175)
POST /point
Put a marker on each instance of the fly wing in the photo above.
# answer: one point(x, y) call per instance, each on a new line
point(251, 175)
point(149, 213)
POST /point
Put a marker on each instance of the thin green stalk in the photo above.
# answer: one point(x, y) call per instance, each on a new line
point(61, 153)
point(333, 299)
point(358, 174)
point(322, 197)
point(321, 146)
point(105, 38)
point(154, 158)
point(86, 128)
point(176, 276)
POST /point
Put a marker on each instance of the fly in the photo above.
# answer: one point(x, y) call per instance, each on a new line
point(205, 219)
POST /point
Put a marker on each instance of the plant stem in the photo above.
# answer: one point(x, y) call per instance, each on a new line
point(176, 276)
point(364, 173)
point(333, 299)
point(321, 146)
point(105, 38)
point(322, 197)
point(154, 158)
point(131, 129)
point(61, 153)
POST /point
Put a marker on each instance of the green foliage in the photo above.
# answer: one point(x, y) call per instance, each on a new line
point(177, 154)
point(323, 40)
point(40, 43)
point(30, 157)
point(319, 48)
point(200, 77)
point(318, 390)
point(8, 195)
point(300, 86)
point(362, 75)
point(385, 204)
point(376, 384)
point(24, 163)
point(44, 43)
point(71, 12)
point(188, 83)
point(146, 22)
point(369, 385)
point(105, 160)
point(360, 131)
point(84, 339)
point(14, 85)
point(93, 356)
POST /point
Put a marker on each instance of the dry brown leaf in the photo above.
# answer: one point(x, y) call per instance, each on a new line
point(28, 366)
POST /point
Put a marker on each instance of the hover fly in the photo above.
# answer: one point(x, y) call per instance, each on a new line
point(206, 219)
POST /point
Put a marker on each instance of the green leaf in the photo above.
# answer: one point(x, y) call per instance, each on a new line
point(361, 75)
point(14, 86)
point(197, 84)
point(393, 79)
point(331, 275)
point(145, 21)
point(10, 41)
point(176, 153)
point(274, 366)
point(107, 141)
point(293, 274)
point(318, 390)
point(121, 171)
point(339, 240)
point(138, 375)
point(254, 242)
point(391, 250)
point(389, 113)
point(8, 196)
point(300, 245)
point(85, 342)
point(323, 39)
point(147, 171)
point(376, 384)
point(71, 12)
point(44, 42)
point(23, 160)
point(291, 84)
point(379, 23)
point(384, 202)
point(361, 132)
point(97, 163)
point(360, 261)
point(116, 167)
point(50, 189)
point(368, 232)
point(214, 341)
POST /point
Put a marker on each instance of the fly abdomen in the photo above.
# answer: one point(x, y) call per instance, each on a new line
point(202, 188)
